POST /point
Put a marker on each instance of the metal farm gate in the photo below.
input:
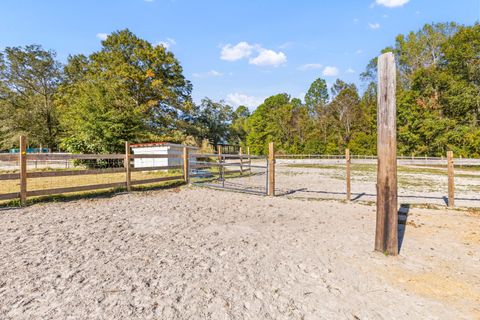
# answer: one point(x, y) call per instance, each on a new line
point(234, 172)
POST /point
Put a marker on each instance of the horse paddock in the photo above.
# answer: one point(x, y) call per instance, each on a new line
point(199, 253)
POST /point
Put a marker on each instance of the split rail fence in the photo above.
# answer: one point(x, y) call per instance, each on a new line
point(198, 167)
point(346, 160)
point(22, 170)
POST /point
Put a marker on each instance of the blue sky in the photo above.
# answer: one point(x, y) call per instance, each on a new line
point(239, 51)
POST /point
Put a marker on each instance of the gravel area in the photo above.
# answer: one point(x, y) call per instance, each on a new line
point(197, 253)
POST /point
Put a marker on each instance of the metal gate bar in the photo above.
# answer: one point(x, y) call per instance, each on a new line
point(206, 170)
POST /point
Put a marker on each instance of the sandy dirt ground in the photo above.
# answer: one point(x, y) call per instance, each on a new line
point(197, 253)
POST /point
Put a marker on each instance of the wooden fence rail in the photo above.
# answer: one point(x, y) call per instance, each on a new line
point(446, 162)
point(188, 162)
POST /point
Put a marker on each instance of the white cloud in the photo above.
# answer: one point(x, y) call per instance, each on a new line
point(209, 74)
point(102, 36)
point(268, 58)
point(167, 44)
point(391, 3)
point(330, 71)
point(149, 0)
point(239, 51)
point(240, 99)
point(355, 20)
point(374, 26)
point(359, 51)
point(310, 66)
point(350, 70)
point(243, 50)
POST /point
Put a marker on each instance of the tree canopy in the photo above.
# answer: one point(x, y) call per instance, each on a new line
point(132, 90)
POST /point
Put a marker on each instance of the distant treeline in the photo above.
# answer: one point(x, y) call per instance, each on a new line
point(132, 90)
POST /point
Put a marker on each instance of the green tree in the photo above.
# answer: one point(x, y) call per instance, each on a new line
point(100, 117)
point(213, 121)
point(29, 79)
point(317, 96)
point(142, 82)
point(276, 120)
point(238, 132)
point(345, 110)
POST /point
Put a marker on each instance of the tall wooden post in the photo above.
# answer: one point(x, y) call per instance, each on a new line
point(386, 236)
point(219, 151)
point(348, 161)
point(186, 173)
point(240, 155)
point(249, 161)
point(23, 170)
point(271, 169)
point(451, 181)
point(126, 164)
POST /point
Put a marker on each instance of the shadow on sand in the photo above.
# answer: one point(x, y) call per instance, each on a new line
point(402, 223)
point(359, 196)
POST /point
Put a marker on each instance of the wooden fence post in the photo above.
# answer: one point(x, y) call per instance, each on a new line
point(249, 161)
point(241, 160)
point(271, 169)
point(126, 164)
point(23, 170)
point(386, 235)
point(348, 160)
point(186, 171)
point(451, 181)
point(219, 151)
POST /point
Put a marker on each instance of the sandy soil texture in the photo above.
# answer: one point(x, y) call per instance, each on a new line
point(197, 253)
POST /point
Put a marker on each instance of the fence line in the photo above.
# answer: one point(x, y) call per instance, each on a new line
point(116, 163)
point(447, 162)
point(225, 164)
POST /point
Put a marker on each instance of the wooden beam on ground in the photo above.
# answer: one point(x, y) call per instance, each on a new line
point(386, 235)
point(347, 162)
point(271, 169)
point(23, 170)
point(451, 180)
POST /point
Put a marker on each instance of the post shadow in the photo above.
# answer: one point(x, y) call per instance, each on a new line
point(402, 223)
point(359, 195)
point(445, 199)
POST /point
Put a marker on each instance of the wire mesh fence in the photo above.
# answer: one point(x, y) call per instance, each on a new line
point(421, 180)
point(25, 175)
